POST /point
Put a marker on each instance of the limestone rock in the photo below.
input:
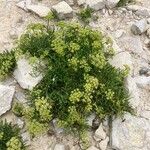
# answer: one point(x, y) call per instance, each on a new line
point(100, 134)
point(139, 10)
point(92, 148)
point(23, 4)
point(111, 3)
point(131, 44)
point(6, 96)
point(131, 133)
point(24, 74)
point(40, 10)
point(139, 27)
point(59, 147)
point(134, 92)
point(103, 144)
point(95, 4)
point(63, 10)
point(121, 59)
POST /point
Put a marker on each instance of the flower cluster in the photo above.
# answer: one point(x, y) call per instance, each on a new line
point(14, 144)
point(43, 108)
point(7, 63)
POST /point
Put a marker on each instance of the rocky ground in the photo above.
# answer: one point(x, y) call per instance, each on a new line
point(129, 27)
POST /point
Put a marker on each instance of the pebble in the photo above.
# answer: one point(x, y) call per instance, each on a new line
point(139, 27)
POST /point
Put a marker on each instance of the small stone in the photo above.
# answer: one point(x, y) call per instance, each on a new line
point(119, 33)
point(139, 27)
point(40, 10)
point(110, 12)
point(100, 134)
point(142, 81)
point(6, 97)
point(95, 4)
point(63, 10)
point(103, 144)
point(59, 147)
point(24, 74)
point(111, 3)
point(92, 148)
point(144, 71)
point(13, 34)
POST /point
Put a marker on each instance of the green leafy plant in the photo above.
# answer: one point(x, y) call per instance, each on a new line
point(85, 14)
point(7, 63)
point(78, 78)
point(10, 138)
point(124, 2)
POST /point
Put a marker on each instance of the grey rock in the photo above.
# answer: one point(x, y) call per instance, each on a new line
point(139, 10)
point(95, 4)
point(40, 10)
point(100, 134)
point(23, 4)
point(119, 33)
point(131, 44)
point(144, 71)
point(130, 134)
point(139, 27)
point(103, 144)
point(111, 3)
point(142, 81)
point(24, 74)
point(121, 59)
point(63, 10)
point(6, 97)
point(134, 92)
